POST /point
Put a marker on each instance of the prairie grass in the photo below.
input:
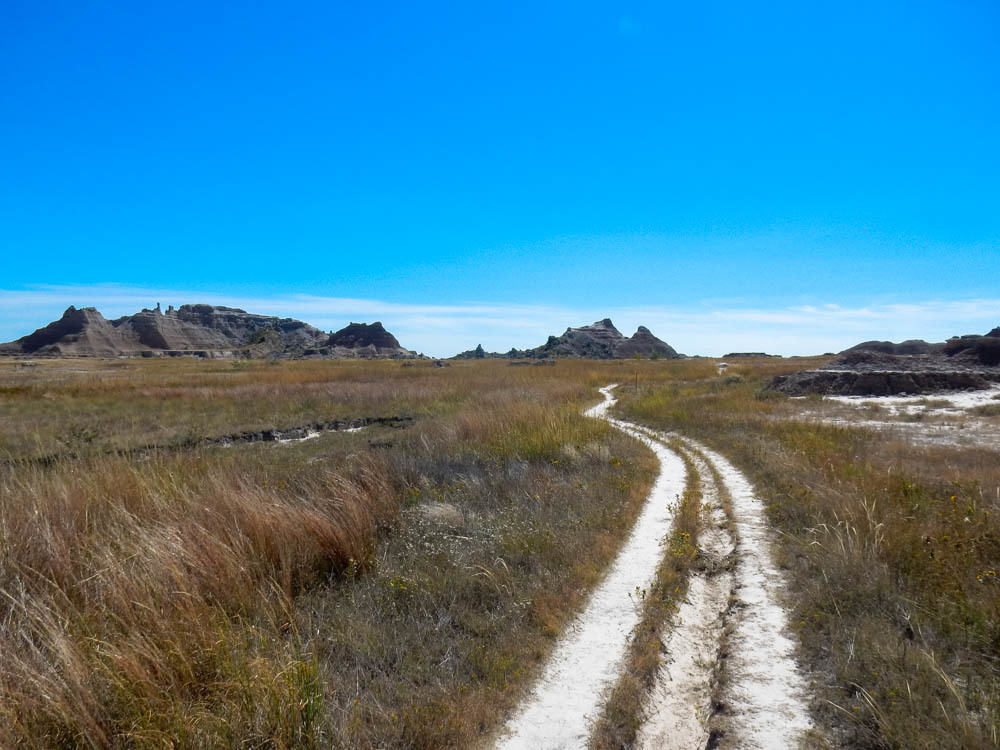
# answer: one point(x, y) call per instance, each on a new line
point(399, 588)
point(93, 406)
point(386, 588)
point(891, 550)
point(986, 410)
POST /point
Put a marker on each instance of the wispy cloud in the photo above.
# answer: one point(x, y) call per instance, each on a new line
point(714, 327)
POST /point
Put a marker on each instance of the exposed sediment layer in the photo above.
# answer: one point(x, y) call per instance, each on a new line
point(201, 331)
point(237, 438)
point(880, 383)
point(915, 367)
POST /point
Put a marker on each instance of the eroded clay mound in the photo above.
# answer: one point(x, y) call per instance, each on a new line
point(882, 368)
point(847, 383)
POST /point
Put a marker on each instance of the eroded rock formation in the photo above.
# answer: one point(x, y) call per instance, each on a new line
point(202, 330)
point(601, 340)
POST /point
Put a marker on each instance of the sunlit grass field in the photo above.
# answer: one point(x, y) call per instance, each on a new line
point(380, 588)
point(400, 587)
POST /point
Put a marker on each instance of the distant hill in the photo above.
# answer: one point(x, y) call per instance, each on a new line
point(480, 353)
point(970, 350)
point(369, 339)
point(202, 330)
point(601, 340)
point(910, 346)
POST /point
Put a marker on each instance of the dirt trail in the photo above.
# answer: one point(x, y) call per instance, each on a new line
point(730, 679)
point(763, 695)
point(588, 658)
point(679, 707)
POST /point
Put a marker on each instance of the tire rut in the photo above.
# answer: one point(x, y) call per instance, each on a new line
point(587, 659)
point(760, 698)
point(730, 678)
point(679, 708)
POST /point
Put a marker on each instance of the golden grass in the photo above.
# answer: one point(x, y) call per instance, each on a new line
point(398, 588)
point(389, 588)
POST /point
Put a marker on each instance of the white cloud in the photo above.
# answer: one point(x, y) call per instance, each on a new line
point(440, 329)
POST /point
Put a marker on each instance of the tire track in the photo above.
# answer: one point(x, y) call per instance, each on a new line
point(730, 679)
point(587, 659)
point(679, 708)
point(761, 697)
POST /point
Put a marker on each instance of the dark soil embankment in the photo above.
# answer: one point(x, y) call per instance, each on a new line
point(888, 383)
point(881, 368)
point(236, 438)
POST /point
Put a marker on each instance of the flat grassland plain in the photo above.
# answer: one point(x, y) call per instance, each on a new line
point(168, 578)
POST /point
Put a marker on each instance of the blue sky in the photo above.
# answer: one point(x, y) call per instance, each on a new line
point(788, 176)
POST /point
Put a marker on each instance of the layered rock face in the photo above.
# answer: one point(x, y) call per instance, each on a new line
point(200, 329)
point(601, 340)
point(882, 368)
point(879, 383)
point(233, 324)
point(78, 331)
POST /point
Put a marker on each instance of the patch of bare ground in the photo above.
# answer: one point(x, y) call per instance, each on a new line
point(965, 419)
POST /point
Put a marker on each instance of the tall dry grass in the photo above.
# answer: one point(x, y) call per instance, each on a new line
point(388, 588)
point(159, 596)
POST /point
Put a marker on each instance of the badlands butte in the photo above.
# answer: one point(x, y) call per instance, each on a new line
point(218, 332)
point(203, 331)
point(876, 368)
